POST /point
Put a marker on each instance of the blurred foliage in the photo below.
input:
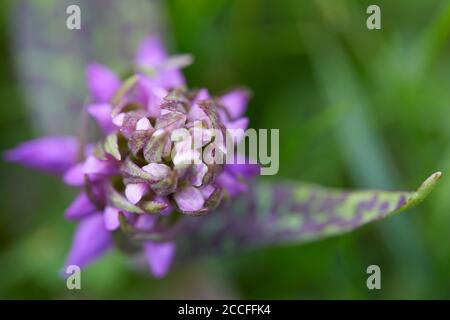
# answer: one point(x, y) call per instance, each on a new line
point(355, 108)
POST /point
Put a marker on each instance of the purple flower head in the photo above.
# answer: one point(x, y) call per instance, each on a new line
point(160, 160)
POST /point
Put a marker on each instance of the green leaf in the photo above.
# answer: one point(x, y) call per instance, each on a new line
point(153, 206)
point(293, 213)
point(111, 146)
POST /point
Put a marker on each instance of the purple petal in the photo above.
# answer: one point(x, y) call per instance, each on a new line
point(92, 165)
point(157, 171)
point(74, 176)
point(189, 199)
point(171, 120)
point(183, 152)
point(129, 121)
point(101, 112)
point(199, 171)
point(231, 184)
point(135, 191)
point(153, 95)
point(102, 82)
point(143, 124)
point(196, 113)
point(241, 123)
point(237, 128)
point(170, 79)
point(166, 201)
point(159, 257)
point(207, 190)
point(94, 168)
point(145, 221)
point(91, 241)
point(150, 53)
point(235, 102)
point(156, 96)
point(200, 135)
point(80, 207)
point(118, 120)
point(111, 218)
point(52, 154)
point(203, 94)
point(242, 167)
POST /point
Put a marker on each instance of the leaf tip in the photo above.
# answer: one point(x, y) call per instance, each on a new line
point(430, 182)
point(425, 188)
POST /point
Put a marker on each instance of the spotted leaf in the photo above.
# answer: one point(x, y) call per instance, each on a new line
point(272, 214)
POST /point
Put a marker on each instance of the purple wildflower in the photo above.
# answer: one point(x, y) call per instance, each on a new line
point(142, 177)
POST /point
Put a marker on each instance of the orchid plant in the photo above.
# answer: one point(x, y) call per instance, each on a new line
point(141, 191)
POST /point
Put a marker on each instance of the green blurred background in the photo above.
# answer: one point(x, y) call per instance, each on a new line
point(356, 109)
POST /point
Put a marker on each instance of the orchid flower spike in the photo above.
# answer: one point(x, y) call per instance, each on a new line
point(148, 172)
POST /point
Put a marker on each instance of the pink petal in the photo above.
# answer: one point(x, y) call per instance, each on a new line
point(158, 171)
point(196, 113)
point(118, 120)
point(200, 135)
point(156, 96)
point(135, 191)
point(53, 154)
point(143, 124)
point(183, 152)
point(159, 257)
point(111, 218)
point(235, 102)
point(189, 199)
point(102, 82)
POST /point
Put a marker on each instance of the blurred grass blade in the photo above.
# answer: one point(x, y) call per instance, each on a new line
point(357, 132)
point(294, 213)
point(50, 58)
point(432, 41)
